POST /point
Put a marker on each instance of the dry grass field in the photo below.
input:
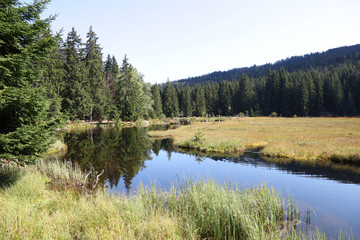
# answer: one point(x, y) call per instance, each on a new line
point(336, 139)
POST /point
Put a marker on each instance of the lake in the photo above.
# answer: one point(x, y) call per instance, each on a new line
point(130, 158)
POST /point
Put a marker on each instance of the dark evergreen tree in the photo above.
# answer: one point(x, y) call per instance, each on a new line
point(225, 99)
point(25, 129)
point(77, 100)
point(187, 107)
point(127, 92)
point(317, 103)
point(53, 77)
point(272, 93)
point(156, 96)
point(303, 96)
point(100, 95)
point(333, 94)
point(245, 95)
point(211, 98)
point(170, 101)
point(284, 93)
point(199, 101)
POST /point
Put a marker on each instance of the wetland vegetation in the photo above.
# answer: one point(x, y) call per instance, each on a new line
point(34, 208)
point(306, 139)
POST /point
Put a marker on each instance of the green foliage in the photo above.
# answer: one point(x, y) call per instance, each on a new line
point(170, 101)
point(77, 98)
point(187, 102)
point(273, 114)
point(25, 129)
point(100, 96)
point(157, 106)
point(53, 77)
point(199, 137)
point(133, 96)
point(199, 102)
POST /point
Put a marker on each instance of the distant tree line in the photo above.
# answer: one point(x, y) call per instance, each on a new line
point(331, 57)
point(328, 91)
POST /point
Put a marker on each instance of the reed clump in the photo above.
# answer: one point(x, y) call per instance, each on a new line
point(30, 209)
point(62, 175)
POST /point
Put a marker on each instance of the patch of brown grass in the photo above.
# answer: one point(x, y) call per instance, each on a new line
point(336, 139)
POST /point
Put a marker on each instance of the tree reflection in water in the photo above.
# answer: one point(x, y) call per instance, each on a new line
point(120, 152)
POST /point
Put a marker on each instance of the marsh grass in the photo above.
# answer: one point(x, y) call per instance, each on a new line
point(308, 139)
point(62, 175)
point(31, 209)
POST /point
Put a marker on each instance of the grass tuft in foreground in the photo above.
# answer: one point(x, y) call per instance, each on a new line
point(31, 209)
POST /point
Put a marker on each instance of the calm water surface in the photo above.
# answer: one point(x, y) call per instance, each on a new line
point(129, 158)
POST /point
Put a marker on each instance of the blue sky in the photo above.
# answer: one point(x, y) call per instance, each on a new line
point(180, 39)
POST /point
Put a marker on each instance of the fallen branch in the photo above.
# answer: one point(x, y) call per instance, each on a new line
point(97, 178)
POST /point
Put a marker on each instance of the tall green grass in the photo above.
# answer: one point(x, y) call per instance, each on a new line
point(32, 209)
point(65, 175)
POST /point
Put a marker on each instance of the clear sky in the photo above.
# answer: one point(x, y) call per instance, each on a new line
point(184, 38)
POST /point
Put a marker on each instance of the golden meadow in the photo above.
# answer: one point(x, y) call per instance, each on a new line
point(310, 139)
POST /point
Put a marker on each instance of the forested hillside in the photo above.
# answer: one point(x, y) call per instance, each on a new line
point(349, 54)
point(319, 84)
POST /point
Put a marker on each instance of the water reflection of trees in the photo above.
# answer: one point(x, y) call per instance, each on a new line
point(121, 152)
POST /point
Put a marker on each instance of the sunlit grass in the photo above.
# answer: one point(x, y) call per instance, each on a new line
point(336, 139)
point(32, 209)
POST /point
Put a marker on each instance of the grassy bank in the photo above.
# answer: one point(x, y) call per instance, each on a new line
point(32, 207)
point(335, 139)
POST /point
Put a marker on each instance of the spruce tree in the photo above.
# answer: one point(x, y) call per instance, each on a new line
point(199, 101)
point(211, 98)
point(77, 102)
point(100, 96)
point(53, 77)
point(170, 101)
point(157, 105)
point(284, 93)
point(187, 103)
point(225, 99)
point(272, 93)
point(133, 96)
point(127, 93)
point(245, 94)
point(25, 129)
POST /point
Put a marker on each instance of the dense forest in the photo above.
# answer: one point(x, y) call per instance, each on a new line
point(318, 84)
point(45, 77)
point(83, 87)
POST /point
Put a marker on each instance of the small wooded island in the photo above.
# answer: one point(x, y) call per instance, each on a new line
point(303, 108)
